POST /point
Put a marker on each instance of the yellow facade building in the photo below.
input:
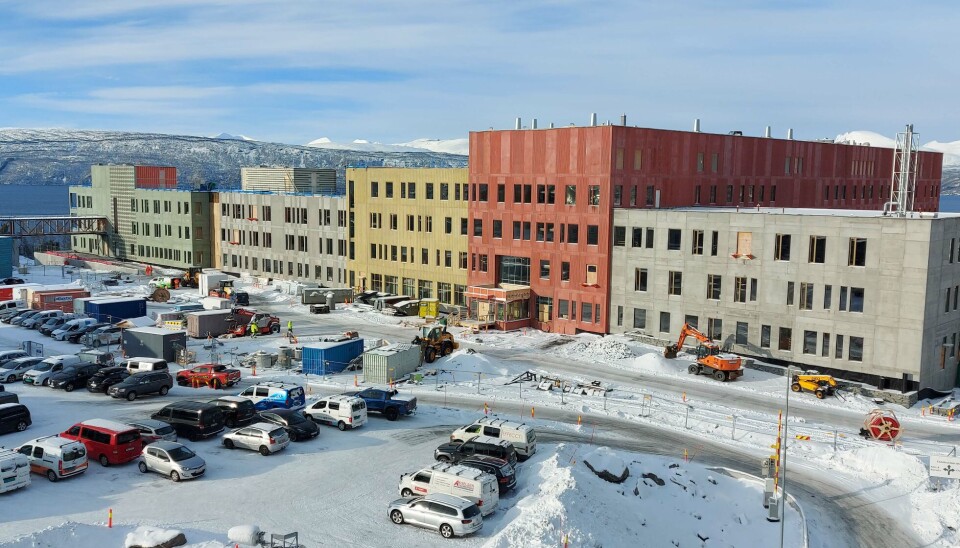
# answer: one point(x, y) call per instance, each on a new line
point(408, 231)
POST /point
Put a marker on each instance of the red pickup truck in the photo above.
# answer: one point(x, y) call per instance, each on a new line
point(211, 374)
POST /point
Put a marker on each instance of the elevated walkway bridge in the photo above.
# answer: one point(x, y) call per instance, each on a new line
point(52, 225)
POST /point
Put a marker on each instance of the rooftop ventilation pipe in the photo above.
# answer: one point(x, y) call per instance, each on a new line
point(696, 125)
point(623, 119)
point(593, 119)
point(517, 126)
point(767, 132)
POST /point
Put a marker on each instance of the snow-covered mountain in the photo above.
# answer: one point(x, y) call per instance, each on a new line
point(61, 156)
point(951, 151)
point(230, 136)
point(448, 146)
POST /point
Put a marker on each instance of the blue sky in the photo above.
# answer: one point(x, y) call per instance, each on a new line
point(292, 71)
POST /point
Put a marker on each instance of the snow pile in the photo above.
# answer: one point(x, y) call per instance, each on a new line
point(598, 349)
point(151, 537)
point(469, 362)
point(248, 535)
point(607, 465)
point(881, 464)
point(669, 504)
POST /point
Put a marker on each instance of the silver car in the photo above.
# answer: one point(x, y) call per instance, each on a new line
point(262, 436)
point(153, 430)
point(450, 515)
point(14, 369)
point(171, 459)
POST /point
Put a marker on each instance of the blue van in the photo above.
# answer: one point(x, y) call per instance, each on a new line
point(273, 395)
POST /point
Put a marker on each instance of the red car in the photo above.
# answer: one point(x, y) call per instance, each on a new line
point(109, 442)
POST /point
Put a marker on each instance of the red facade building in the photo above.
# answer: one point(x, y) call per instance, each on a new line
point(542, 200)
point(158, 177)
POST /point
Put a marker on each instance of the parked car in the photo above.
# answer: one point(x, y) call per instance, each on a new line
point(104, 335)
point(193, 420)
point(236, 410)
point(172, 459)
point(522, 436)
point(14, 370)
point(472, 484)
point(70, 327)
point(76, 335)
point(10, 355)
point(14, 470)
point(41, 373)
point(17, 319)
point(14, 417)
point(505, 473)
point(11, 281)
point(52, 324)
point(213, 375)
point(8, 397)
point(153, 430)
point(103, 379)
point(74, 376)
point(272, 395)
point(451, 516)
point(139, 384)
point(140, 365)
point(262, 436)
point(35, 321)
point(342, 411)
point(480, 445)
point(107, 441)
point(10, 313)
point(55, 457)
point(388, 402)
point(297, 426)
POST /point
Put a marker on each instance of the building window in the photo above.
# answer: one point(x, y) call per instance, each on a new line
point(388, 190)
point(619, 236)
point(482, 192)
point(825, 346)
point(501, 193)
point(586, 312)
point(463, 226)
point(697, 242)
point(497, 228)
point(636, 239)
point(650, 195)
point(740, 289)
point(374, 189)
point(857, 255)
point(713, 194)
point(664, 322)
point(699, 162)
point(633, 196)
point(591, 274)
point(573, 233)
point(594, 195)
point(743, 328)
point(714, 243)
point(639, 318)
point(673, 239)
point(744, 245)
point(593, 234)
point(818, 249)
point(781, 247)
point(478, 227)
point(856, 299)
point(570, 197)
point(617, 195)
point(810, 342)
point(563, 309)
point(564, 271)
point(515, 270)
point(649, 243)
point(545, 269)
point(483, 263)
point(764, 336)
point(674, 283)
point(839, 350)
point(856, 349)
point(827, 296)
point(715, 328)
point(785, 342)
point(640, 279)
point(790, 286)
point(444, 191)
point(713, 286)
point(806, 296)
point(753, 289)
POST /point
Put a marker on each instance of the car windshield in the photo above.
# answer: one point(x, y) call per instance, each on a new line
point(43, 366)
point(178, 454)
point(471, 511)
point(74, 453)
point(295, 418)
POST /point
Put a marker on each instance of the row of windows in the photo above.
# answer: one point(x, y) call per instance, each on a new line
point(545, 194)
point(545, 232)
point(159, 231)
point(408, 191)
point(406, 254)
point(165, 253)
point(301, 270)
point(850, 298)
point(419, 289)
point(415, 223)
point(143, 206)
point(291, 242)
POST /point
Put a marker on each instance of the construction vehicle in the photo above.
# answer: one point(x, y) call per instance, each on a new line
point(812, 381)
point(721, 366)
point(881, 425)
point(434, 340)
point(243, 317)
point(191, 278)
point(224, 290)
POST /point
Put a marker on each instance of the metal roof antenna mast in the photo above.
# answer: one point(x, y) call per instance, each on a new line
point(903, 186)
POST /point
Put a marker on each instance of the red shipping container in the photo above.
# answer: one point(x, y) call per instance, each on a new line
point(6, 293)
point(164, 177)
point(60, 299)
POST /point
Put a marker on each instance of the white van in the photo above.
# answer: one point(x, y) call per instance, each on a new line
point(522, 436)
point(55, 457)
point(14, 470)
point(139, 365)
point(41, 373)
point(474, 485)
point(340, 411)
point(7, 305)
point(71, 326)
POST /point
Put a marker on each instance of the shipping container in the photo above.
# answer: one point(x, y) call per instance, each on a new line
point(389, 363)
point(6, 293)
point(210, 280)
point(318, 295)
point(208, 323)
point(80, 305)
point(27, 290)
point(153, 342)
point(7, 259)
point(330, 357)
point(114, 310)
point(216, 303)
point(429, 308)
point(58, 299)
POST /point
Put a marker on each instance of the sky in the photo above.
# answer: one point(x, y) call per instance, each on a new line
point(292, 71)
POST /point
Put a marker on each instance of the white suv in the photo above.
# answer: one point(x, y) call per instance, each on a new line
point(264, 437)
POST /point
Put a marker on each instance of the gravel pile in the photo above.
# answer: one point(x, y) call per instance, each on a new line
point(598, 349)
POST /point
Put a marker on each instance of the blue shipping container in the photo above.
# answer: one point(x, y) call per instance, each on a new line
point(6, 256)
point(114, 310)
point(330, 357)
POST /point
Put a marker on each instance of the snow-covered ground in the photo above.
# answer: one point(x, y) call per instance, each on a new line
point(349, 477)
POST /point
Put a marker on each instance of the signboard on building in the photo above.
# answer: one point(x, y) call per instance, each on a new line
point(945, 467)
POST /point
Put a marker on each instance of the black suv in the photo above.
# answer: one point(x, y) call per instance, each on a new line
point(506, 475)
point(106, 377)
point(236, 410)
point(14, 417)
point(74, 376)
point(297, 426)
point(138, 384)
point(456, 452)
point(193, 420)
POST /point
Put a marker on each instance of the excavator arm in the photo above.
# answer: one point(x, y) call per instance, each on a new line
point(688, 331)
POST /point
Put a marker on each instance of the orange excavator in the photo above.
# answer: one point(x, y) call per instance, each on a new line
point(723, 367)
